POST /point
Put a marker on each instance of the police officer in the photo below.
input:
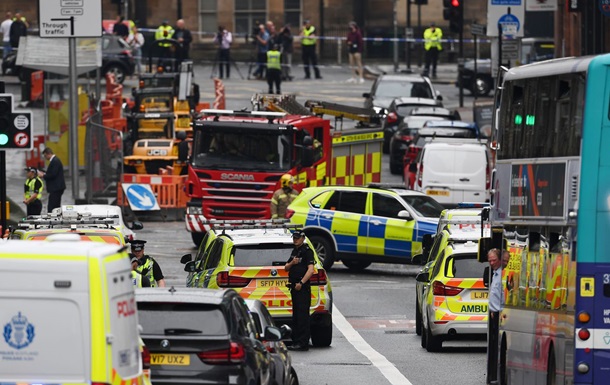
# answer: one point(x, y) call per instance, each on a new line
point(308, 48)
point(283, 197)
point(300, 269)
point(138, 279)
point(274, 69)
point(148, 266)
point(33, 192)
point(165, 31)
point(432, 45)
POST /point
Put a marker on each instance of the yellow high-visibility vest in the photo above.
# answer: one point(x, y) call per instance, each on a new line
point(273, 60)
point(306, 40)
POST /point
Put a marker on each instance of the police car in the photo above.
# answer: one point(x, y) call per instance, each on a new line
point(249, 256)
point(361, 225)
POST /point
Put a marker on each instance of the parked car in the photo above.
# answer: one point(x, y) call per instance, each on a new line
point(362, 225)
point(533, 49)
point(408, 128)
point(398, 109)
point(282, 371)
point(386, 88)
point(454, 172)
point(199, 333)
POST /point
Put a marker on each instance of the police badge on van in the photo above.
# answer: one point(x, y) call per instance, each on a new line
point(18, 333)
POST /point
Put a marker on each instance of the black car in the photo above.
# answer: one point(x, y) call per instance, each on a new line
point(194, 334)
point(408, 128)
point(281, 363)
point(481, 83)
point(398, 109)
point(116, 59)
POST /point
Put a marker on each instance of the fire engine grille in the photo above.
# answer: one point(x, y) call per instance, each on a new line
point(236, 199)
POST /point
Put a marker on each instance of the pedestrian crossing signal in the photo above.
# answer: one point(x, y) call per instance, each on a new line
point(15, 126)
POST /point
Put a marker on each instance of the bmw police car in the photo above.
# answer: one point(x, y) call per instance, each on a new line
point(249, 256)
point(361, 225)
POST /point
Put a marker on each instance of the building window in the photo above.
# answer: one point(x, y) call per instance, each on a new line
point(208, 18)
point(248, 14)
point(292, 13)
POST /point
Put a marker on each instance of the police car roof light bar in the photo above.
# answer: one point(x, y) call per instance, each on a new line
point(387, 186)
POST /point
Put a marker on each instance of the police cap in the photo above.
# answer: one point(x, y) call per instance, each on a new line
point(32, 169)
point(298, 234)
point(137, 245)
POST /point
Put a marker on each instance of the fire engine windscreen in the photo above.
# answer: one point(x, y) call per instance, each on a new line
point(254, 150)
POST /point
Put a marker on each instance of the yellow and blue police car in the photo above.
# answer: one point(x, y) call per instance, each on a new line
point(249, 256)
point(361, 225)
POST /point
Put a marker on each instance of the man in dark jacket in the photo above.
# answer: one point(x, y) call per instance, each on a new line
point(18, 28)
point(54, 179)
point(184, 37)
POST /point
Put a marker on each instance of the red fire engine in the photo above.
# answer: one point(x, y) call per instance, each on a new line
point(238, 158)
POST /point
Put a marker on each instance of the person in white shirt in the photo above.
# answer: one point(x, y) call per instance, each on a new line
point(136, 41)
point(5, 29)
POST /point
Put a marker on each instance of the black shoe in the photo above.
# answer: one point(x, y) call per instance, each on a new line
point(307, 77)
point(318, 77)
point(298, 347)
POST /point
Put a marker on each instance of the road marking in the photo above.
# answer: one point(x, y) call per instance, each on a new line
point(386, 368)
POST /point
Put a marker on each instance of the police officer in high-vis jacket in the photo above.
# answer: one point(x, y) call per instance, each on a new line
point(138, 279)
point(33, 192)
point(274, 69)
point(148, 266)
point(300, 269)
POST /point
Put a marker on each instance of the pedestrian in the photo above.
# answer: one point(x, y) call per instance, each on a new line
point(224, 39)
point(283, 197)
point(136, 42)
point(354, 48)
point(5, 29)
point(32, 192)
point(274, 69)
point(54, 179)
point(19, 28)
point(119, 28)
point(262, 44)
point(274, 38)
point(185, 38)
point(286, 41)
point(432, 45)
point(138, 279)
point(148, 266)
point(308, 47)
point(300, 269)
point(495, 305)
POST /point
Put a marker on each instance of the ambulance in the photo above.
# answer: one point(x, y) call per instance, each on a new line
point(68, 314)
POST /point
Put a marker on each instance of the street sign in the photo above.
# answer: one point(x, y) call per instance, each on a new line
point(478, 29)
point(140, 197)
point(541, 5)
point(510, 50)
point(506, 14)
point(70, 18)
point(15, 126)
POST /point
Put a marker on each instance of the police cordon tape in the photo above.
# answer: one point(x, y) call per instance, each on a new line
point(342, 38)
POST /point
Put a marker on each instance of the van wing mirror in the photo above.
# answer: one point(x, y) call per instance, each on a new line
point(485, 244)
point(136, 225)
point(417, 259)
point(190, 267)
point(404, 214)
point(186, 258)
point(423, 277)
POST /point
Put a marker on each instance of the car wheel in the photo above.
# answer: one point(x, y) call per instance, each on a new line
point(293, 379)
point(433, 343)
point(325, 250)
point(356, 265)
point(197, 238)
point(322, 335)
point(481, 87)
point(118, 71)
point(417, 319)
point(386, 147)
point(423, 334)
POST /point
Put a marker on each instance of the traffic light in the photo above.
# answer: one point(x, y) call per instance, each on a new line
point(15, 126)
point(454, 12)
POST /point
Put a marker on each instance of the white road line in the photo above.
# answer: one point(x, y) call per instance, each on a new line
point(386, 368)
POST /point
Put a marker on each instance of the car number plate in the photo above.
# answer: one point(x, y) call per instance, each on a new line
point(170, 359)
point(480, 295)
point(271, 282)
point(441, 193)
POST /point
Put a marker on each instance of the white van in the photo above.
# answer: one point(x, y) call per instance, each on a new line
point(68, 314)
point(454, 172)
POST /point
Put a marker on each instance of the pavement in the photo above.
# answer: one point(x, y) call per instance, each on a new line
point(333, 87)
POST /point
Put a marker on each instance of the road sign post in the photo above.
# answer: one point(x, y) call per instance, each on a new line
point(71, 19)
